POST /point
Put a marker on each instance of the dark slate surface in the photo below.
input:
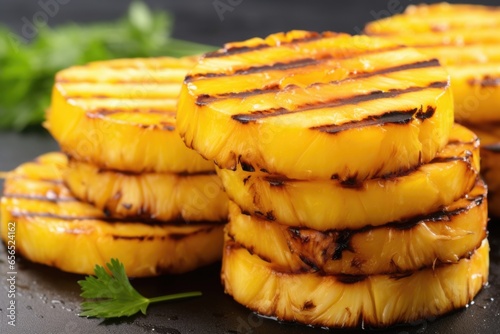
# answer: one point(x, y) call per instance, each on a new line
point(48, 299)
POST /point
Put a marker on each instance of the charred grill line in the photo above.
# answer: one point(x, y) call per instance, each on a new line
point(320, 59)
point(105, 112)
point(243, 49)
point(350, 279)
point(279, 66)
point(118, 82)
point(342, 243)
point(401, 117)
point(114, 220)
point(207, 99)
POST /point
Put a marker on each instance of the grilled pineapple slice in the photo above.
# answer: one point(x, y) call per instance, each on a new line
point(348, 301)
point(55, 229)
point(120, 114)
point(310, 105)
point(444, 236)
point(165, 196)
point(333, 204)
point(464, 38)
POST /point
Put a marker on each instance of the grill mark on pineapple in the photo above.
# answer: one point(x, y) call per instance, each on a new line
point(205, 99)
point(116, 220)
point(350, 279)
point(108, 111)
point(245, 166)
point(352, 183)
point(311, 36)
point(172, 236)
point(139, 174)
point(401, 117)
point(485, 81)
point(438, 216)
point(278, 66)
point(293, 64)
point(389, 117)
point(137, 82)
point(342, 243)
point(466, 158)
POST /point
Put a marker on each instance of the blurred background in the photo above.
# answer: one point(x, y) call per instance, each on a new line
point(217, 21)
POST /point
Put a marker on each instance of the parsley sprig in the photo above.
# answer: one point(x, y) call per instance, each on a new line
point(113, 296)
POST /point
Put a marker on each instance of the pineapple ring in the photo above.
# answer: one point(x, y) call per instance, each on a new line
point(349, 301)
point(163, 196)
point(439, 237)
point(310, 105)
point(331, 204)
point(55, 229)
point(465, 39)
point(120, 115)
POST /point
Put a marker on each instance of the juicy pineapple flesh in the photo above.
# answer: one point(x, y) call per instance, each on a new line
point(193, 198)
point(348, 301)
point(333, 204)
point(56, 229)
point(444, 236)
point(316, 106)
point(465, 39)
point(120, 115)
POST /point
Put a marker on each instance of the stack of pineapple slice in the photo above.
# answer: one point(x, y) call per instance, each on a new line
point(354, 197)
point(125, 185)
point(465, 39)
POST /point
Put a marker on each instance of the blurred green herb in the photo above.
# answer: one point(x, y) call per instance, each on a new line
point(112, 295)
point(27, 69)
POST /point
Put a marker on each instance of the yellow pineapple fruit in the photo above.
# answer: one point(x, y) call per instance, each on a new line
point(56, 229)
point(316, 106)
point(194, 197)
point(465, 39)
point(120, 115)
point(351, 300)
point(444, 236)
point(333, 204)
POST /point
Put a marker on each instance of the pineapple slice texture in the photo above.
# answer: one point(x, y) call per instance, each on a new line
point(333, 204)
point(120, 114)
point(55, 229)
point(316, 106)
point(465, 39)
point(444, 236)
point(349, 301)
point(194, 197)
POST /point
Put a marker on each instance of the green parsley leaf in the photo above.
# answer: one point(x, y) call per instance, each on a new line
point(113, 296)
